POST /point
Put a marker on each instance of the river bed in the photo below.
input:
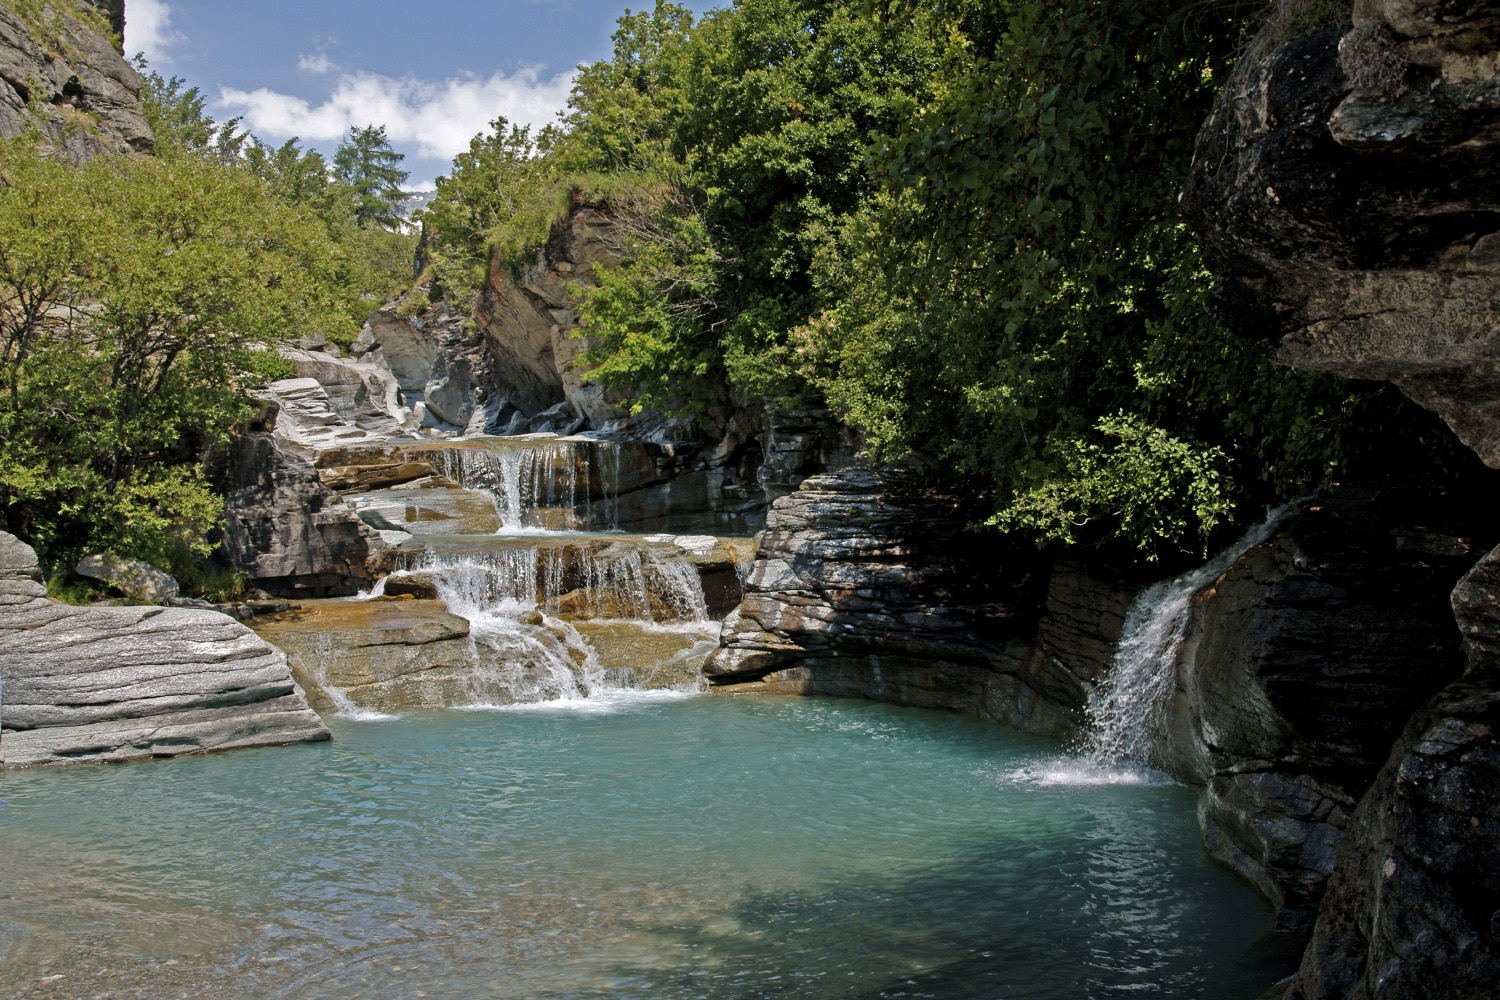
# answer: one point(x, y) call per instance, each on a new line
point(647, 845)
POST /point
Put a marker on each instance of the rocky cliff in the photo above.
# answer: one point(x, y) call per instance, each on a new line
point(1348, 202)
point(867, 584)
point(64, 79)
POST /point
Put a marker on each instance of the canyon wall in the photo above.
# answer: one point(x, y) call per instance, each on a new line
point(1348, 201)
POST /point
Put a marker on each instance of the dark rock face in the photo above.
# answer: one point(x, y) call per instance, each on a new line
point(1360, 230)
point(86, 103)
point(866, 585)
point(1299, 668)
point(286, 530)
point(1357, 228)
point(1413, 907)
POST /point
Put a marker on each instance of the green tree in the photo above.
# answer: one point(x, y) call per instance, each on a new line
point(367, 165)
point(165, 275)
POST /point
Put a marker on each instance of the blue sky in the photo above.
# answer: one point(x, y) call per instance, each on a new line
point(433, 73)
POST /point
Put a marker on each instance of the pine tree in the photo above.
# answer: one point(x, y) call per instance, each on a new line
point(370, 168)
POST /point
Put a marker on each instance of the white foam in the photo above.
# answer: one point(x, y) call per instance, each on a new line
point(1080, 772)
point(604, 701)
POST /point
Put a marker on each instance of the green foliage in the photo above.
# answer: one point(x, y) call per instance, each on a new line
point(79, 593)
point(45, 19)
point(501, 197)
point(413, 305)
point(176, 115)
point(370, 169)
point(129, 327)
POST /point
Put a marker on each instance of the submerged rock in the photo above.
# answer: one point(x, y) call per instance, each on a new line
point(94, 684)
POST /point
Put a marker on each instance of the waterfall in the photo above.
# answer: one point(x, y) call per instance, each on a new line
point(1127, 712)
point(554, 480)
point(583, 581)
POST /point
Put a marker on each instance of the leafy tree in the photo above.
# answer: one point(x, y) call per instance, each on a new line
point(367, 165)
point(294, 175)
point(500, 193)
point(182, 127)
point(164, 275)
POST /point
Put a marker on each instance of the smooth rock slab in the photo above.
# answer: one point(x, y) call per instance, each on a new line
point(92, 684)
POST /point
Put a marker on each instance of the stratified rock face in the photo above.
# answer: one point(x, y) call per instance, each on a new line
point(82, 93)
point(1413, 907)
point(1300, 666)
point(1359, 229)
point(864, 585)
point(92, 684)
point(285, 529)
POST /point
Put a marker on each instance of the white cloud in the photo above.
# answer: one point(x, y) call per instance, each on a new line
point(432, 119)
point(148, 29)
point(317, 63)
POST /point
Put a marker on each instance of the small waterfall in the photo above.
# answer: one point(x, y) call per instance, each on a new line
point(526, 484)
point(319, 665)
point(1128, 710)
point(582, 581)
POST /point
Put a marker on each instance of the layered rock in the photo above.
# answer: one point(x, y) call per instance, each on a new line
point(1299, 667)
point(1358, 227)
point(95, 684)
point(1413, 906)
point(866, 585)
point(73, 86)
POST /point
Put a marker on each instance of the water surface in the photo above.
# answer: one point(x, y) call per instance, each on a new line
point(638, 846)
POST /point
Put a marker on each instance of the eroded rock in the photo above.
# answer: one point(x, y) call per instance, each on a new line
point(96, 684)
point(135, 579)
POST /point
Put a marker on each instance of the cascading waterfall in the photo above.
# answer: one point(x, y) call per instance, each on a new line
point(523, 483)
point(1128, 710)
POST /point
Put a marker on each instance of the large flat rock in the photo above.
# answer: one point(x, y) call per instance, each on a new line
point(92, 684)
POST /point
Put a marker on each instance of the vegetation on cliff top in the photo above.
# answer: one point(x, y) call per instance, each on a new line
point(955, 222)
point(138, 297)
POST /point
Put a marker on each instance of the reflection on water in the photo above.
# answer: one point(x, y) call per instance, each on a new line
point(657, 847)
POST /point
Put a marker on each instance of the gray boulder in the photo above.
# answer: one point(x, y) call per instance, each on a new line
point(138, 580)
point(96, 684)
point(17, 559)
point(559, 419)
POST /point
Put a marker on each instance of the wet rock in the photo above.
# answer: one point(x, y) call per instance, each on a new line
point(137, 580)
point(94, 684)
point(423, 586)
point(1413, 906)
point(1299, 668)
point(559, 419)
